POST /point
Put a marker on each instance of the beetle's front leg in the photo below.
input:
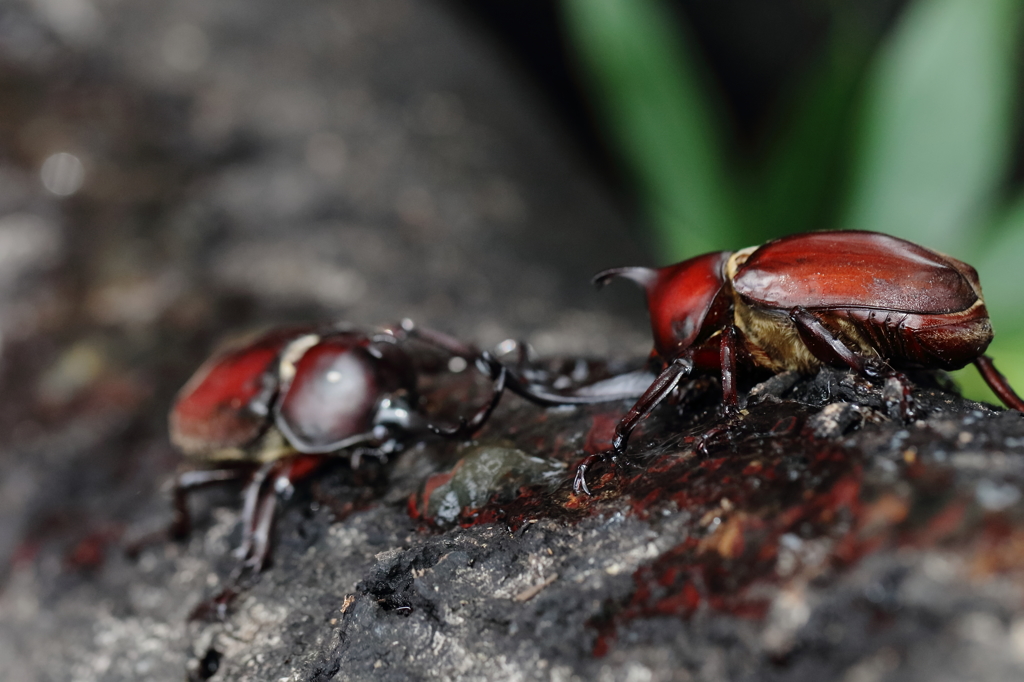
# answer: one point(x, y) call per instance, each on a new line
point(467, 427)
point(826, 347)
point(652, 397)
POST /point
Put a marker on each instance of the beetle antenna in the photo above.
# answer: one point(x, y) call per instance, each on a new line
point(643, 276)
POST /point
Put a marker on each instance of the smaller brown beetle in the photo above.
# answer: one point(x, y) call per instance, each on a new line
point(274, 408)
point(867, 301)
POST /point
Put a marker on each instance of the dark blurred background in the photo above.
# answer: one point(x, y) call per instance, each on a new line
point(754, 53)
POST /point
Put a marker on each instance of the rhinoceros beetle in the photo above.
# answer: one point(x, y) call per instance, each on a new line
point(274, 408)
point(863, 300)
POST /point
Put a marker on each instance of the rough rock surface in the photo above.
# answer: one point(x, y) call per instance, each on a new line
point(249, 163)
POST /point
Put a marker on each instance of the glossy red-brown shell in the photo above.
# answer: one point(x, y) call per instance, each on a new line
point(214, 409)
point(851, 269)
point(681, 297)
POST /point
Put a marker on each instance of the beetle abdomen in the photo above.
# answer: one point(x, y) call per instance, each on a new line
point(946, 341)
point(850, 269)
point(223, 407)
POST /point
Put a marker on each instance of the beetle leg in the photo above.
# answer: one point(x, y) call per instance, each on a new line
point(263, 523)
point(998, 383)
point(498, 375)
point(439, 340)
point(181, 522)
point(579, 482)
point(826, 347)
point(188, 481)
point(822, 343)
point(710, 436)
point(250, 507)
point(728, 361)
point(652, 397)
point(261, 503)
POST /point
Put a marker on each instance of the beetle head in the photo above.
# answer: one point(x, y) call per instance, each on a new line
point(679, 298)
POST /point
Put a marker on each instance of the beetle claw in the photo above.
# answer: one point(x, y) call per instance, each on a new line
point(728, 411)
point(708, 437)
point(449, 431)
point(579, 484)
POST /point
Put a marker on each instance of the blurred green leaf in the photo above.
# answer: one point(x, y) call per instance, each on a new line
point(1000, 262)
point(1005, 351)
point(937, 122)
point(658, 114)
point(800, 182)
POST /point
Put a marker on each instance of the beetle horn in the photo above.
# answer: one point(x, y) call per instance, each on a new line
point(643, 276)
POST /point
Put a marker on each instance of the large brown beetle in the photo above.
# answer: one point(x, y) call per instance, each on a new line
point(867, 301)
point(274, 408)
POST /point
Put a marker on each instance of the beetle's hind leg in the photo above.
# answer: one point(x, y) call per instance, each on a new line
point(998, 383)
point(829, 349)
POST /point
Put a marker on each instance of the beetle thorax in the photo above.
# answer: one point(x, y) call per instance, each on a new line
point(771, 339)
point(737, 259)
